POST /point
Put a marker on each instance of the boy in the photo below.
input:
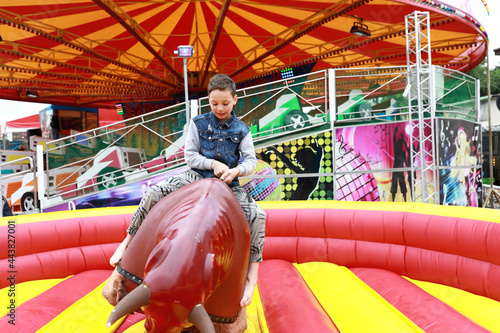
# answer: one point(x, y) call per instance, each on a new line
point(212, 148)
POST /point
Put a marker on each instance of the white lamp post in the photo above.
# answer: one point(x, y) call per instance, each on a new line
point(185, 51)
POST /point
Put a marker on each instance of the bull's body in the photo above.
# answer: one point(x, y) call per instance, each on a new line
point(192, 248)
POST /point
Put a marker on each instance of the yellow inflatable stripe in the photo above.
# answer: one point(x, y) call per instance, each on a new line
point(136, 328)
point(482, 310)
point(256, 321)
point(319, 204)
point(25, 291)
point(29, 218)
point(417, 208)
point(353, 306)
point(89, 314)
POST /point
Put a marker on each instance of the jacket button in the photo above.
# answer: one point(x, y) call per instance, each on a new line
point(219, 154)
point(221, 140)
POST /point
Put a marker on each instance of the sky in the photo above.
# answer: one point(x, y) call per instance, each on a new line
point(11, 110)
point(491, 23)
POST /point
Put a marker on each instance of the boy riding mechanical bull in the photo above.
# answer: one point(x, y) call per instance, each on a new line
point(213, 146)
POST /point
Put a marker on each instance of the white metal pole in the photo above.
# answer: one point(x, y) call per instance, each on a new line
point(40, 177)
point(489, 124)
point(186, 95)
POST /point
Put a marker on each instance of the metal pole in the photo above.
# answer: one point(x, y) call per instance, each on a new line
point(1, 191)
point(41, 171)
point(489, 123)
point(186, 95)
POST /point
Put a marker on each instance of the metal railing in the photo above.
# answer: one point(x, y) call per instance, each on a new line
point(28, 204)
point(150, 135)
point(277, 111)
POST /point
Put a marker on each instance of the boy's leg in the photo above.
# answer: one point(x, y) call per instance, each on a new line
point(157, 192)
point(154, 194)
point(256, 218)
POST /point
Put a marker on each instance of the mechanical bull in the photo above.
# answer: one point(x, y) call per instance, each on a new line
point(188, 262)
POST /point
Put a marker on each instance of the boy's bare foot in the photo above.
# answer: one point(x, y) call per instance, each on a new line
point(247, 294)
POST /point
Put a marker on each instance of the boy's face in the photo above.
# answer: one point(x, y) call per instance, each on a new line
point(221, 103)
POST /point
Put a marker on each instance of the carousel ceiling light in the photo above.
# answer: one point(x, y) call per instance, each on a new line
point(360, 29)
point(32, 94)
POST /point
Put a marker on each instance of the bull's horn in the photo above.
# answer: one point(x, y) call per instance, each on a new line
point(200, 319)
point(132, 301)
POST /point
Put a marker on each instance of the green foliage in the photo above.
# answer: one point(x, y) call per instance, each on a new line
point(459, 89)
point(480, 73)
point(486, 181)
point(495, 81)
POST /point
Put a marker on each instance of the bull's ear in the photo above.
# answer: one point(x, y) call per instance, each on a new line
point(200, 319)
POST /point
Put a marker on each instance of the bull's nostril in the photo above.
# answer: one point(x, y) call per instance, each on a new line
point(148, 325)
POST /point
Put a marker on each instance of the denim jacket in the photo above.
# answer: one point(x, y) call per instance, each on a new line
point(220, 141)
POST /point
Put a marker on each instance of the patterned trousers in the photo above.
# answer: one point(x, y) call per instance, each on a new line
point(254, 214)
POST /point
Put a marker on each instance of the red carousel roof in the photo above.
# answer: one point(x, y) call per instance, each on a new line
point(95, 53)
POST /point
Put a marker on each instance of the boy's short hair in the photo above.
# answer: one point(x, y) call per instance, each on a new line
point(222, 82)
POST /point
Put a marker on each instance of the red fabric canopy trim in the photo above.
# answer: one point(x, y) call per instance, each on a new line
point(26, 122)
point(106, 117)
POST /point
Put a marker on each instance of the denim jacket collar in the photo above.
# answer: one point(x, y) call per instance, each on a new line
point(219, 124)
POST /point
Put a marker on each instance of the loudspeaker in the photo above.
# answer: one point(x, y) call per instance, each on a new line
point(33, 132)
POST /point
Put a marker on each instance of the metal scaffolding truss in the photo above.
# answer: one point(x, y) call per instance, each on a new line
point(421, 103)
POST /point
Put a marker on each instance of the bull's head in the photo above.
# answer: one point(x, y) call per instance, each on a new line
point(193, 251)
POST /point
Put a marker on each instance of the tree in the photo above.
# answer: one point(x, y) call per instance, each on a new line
point(480, 73)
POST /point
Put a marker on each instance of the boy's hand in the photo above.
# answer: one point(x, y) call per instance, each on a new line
point(228, 176)
point(223, 172)
point(219, 168)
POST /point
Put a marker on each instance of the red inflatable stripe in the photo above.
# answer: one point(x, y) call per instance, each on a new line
point(416, 304)
point(49, 235)
point(37, 312)
point(463, 237)
point(284, 294)
point(458, 252)
point(58, 263)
